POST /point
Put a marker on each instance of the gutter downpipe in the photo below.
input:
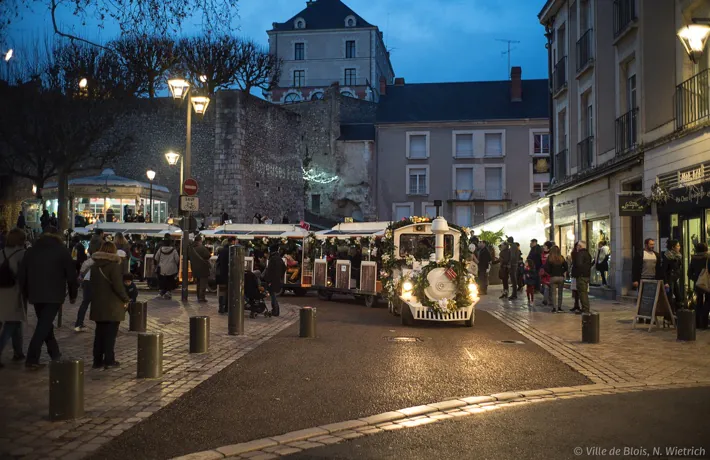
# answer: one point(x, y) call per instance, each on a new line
point(549, 34)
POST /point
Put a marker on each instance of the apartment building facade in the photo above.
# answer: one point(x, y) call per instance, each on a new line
point(478, 147)
point(595, 58)
point(630, 123)
point(327, 43)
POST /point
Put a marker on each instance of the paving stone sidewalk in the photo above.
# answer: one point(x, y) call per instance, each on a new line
point(624, 354)
point(114, 399)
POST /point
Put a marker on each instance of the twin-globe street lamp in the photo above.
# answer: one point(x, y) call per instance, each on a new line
point(179, 89)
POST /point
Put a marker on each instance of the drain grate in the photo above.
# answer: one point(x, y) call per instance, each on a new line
point(511, 342)
point(402, 339)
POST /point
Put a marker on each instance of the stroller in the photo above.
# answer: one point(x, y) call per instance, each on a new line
point(254, 296)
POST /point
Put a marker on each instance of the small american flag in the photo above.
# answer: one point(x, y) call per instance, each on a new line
point(450, 273)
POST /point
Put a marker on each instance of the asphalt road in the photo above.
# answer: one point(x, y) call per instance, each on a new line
point(351, 370)
point(635, 423)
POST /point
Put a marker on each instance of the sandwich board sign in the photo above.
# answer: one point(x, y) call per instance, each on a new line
point(652, 303)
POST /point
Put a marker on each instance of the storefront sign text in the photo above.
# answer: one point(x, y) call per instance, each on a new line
point(632, 205)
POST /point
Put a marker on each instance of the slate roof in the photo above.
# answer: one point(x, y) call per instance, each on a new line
point(362, 132)
point(324, 14)
point(468, 101)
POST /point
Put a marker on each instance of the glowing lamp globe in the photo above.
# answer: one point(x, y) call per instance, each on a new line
point(151, 174)
point(172, 158)
point(178, 88)
point(200, 103)
point(694, 37)
point(83, 83)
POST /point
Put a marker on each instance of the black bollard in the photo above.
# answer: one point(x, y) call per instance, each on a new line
point(150, 356)
point(199, 334)
point(235, 291)
point(590, 327)
point(66, 389)
point(685, 325)
point(307, 326)
point(138, 316)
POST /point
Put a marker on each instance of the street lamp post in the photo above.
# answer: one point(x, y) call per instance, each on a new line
point(179, 89)
point(151, 175)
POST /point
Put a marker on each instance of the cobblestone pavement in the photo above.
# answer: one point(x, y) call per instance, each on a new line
point(623, 354)
point(114, 399)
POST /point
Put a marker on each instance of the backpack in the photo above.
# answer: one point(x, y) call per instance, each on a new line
point(7, 278)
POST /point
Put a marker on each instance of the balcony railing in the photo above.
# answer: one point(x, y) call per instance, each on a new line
point(585, 152)
point(480, 195)
point(624, 14)
point(561, 165)
point(559, 76)
point(585, 49)
point(692, 100)
point(627, 131)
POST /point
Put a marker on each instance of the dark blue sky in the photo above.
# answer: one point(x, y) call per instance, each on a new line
point(430, 40)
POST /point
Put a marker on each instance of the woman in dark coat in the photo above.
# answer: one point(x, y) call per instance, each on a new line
point(698, 262)
point(671, 267)
point(109, 303)
point(13, 308)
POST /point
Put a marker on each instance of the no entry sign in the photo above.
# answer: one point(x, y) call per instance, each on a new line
point(189, 187)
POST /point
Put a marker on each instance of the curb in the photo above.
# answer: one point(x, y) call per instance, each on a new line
point(296, 441)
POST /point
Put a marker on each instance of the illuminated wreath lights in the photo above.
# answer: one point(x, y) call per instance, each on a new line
point(318, 177)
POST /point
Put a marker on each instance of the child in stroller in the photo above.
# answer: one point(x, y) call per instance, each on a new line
point(254, 294)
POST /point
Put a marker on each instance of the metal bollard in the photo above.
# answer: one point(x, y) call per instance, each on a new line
point(150, 356)
point(199, 334)
point(590, 327)
point(66, 389)
point(685, 325)
point(138, 316)
point(235, 291)
point(307, 326)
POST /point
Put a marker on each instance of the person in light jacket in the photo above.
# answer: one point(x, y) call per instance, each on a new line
point(167, 259)
point(109, 303)
point(13, 308)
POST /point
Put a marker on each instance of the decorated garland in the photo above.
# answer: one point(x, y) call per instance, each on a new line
point(462, 299)
point(391, 263)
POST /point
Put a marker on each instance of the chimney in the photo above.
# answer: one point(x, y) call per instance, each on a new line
point(310, 3)
point(516, 85)
point(383, 86)
point(399, 81)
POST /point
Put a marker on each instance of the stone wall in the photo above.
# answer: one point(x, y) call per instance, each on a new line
point(352, 162)
point(159, 127)
point(257, 163)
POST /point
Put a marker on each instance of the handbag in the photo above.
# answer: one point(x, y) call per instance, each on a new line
point(703, 282)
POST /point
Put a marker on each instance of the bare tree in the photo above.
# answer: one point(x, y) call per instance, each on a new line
point(210, 63)
point(62, 121)
point(146, 61)
point(259, 69)
point(134, 17)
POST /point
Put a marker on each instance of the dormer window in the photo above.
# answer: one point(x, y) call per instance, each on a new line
point(300, 23)
point(350, 21)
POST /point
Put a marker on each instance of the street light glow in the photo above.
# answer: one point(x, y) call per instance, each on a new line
point(83, 83)
point(200, 103)
point(178, 87)
point(203, 78)
point(693, 38)
point(151, 174)
point(34, 189)
point(172, 158)
point(8, 55)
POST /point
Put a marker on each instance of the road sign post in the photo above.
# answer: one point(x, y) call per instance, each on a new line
point(190, 187)
point(188, 202)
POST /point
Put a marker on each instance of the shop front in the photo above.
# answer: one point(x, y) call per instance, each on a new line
point(684, 211)
point(589, 212)
point(111, 198)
